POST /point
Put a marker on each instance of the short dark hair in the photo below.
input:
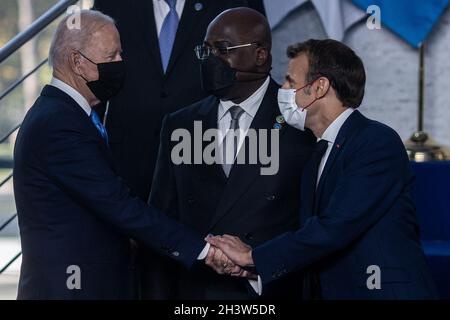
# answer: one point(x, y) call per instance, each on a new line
point(336, 62)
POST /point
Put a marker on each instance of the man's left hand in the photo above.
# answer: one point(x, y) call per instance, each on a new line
point(236, 250)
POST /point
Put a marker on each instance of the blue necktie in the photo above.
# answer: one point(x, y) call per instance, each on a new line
point(98, 124)
point(168, 33)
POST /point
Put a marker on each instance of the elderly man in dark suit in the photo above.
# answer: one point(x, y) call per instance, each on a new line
point(75, 214)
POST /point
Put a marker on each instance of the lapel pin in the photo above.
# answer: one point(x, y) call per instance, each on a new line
point(277, 126)
point(198, 6)
point(280, 119)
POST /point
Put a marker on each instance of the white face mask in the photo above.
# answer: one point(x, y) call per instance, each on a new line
point(293, 115)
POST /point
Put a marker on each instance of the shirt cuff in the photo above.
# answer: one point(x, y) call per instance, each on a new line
point(204, 252)
point(256, 285)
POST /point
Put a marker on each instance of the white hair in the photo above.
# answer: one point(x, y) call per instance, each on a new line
point(67, 37)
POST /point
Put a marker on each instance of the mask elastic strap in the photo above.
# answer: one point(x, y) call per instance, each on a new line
point(308, 84)
point(87, 58)
point(264, 75)
point(255, 72)
point(252, 80)
point(309, 105)
point(89, 61)
point(82, 78)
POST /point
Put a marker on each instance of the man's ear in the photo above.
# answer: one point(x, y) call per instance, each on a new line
point(262, 56)
point(75, 62)
point(323, 85)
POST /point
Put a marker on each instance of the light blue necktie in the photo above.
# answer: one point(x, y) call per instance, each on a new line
point(168, 33)
point(98, 124)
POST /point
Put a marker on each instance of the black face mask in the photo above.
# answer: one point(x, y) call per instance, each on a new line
point(111, 76)
point(217, 77)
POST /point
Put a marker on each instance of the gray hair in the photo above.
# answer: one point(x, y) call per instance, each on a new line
point(67, 37)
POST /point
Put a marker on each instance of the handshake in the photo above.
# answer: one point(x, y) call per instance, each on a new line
point(229, 255)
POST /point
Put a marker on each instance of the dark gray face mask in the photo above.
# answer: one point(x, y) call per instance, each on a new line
point(217, 77)
point(110, 80)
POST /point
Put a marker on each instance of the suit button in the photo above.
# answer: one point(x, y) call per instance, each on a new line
point(191, 201)
point(175, 253)
point(248, 236)
point(271, 198)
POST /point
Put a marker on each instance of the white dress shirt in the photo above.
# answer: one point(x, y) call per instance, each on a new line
point(330, 135)
point(74, 94)
point(161, 10)
point(250, 107)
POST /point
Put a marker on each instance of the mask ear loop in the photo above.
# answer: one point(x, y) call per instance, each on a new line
point(82, 78)
point(87, 60)
point(310, 83)
point(309, 105)
point(264, 75)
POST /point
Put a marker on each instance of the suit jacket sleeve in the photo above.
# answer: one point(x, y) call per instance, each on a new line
point(370, 184)
point(78, 165)
point(161, 274)
point(164, 192)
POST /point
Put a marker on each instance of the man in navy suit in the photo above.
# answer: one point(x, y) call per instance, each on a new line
point(75, 214)
point(358, 235)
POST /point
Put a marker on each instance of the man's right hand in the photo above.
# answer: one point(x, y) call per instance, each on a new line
point(234, 249)
point(220, 263)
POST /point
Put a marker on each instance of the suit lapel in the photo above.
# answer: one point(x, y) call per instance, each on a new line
point(51, 91)
point(346, 129)
point(243, 175)
point(336, 149)
point(184, 32)
point(208, 115)
point(146, 18)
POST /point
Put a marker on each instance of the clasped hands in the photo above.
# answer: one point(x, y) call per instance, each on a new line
point(229, 255)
